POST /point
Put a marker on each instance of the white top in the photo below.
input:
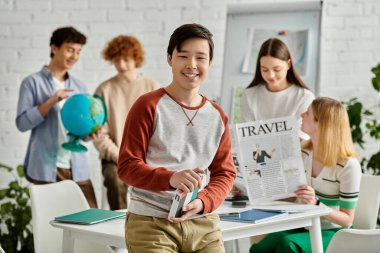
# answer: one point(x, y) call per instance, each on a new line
point(63, 155)
point(336, 187)
point(258, 103)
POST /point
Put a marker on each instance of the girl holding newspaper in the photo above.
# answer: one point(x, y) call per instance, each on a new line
point(276, 90)
point(333, 175)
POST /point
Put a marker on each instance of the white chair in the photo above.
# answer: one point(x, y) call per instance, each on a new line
point(354, 241)
point(56, 199)
point(363, 237)
point(367, 209)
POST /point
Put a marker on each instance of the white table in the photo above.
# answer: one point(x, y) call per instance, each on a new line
point(112, 232)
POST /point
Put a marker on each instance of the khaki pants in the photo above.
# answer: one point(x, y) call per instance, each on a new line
point(86, 185)
point(152, 235)
point(116, 189)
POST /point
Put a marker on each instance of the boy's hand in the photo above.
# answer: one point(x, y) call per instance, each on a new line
point(194, 207)
point(61, 94)
point(186, 180)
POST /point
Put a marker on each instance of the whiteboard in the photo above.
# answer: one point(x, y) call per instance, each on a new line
point(238, 25)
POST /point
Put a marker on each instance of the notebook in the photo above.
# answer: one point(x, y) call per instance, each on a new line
point(90, 216)
point(252, 216)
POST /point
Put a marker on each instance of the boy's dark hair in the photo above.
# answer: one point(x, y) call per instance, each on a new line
point(277, 49)
point(66, 34)
point(189, 31)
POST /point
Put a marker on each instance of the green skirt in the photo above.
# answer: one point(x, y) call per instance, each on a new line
point(296, 240)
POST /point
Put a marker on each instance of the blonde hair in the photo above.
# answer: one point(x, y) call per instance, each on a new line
point(333, 132)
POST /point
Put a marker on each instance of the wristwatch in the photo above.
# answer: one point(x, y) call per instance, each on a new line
point(317, 203)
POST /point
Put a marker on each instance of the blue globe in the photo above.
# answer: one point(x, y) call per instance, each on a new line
point(82, 114)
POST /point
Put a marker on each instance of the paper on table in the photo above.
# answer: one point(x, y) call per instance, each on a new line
point(290, 208)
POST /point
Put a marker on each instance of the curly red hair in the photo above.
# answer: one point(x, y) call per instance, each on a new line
point(124, 46)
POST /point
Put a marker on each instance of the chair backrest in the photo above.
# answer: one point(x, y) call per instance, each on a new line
point(354, 241)
point(367, 209)
point(49, 201)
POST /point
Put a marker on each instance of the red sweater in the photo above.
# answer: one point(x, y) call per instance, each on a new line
point(159, 140)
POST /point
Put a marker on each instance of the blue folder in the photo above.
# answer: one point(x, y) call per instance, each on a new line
point(253, 216)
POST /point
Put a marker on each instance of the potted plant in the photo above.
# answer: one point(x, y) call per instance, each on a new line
point(365, 125)
point(15, 212)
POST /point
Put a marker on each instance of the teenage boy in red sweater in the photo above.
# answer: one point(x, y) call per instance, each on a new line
point(172, 135)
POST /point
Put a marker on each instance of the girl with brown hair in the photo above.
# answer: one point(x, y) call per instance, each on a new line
point(276, 89)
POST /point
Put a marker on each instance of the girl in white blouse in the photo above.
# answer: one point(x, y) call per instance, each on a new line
point(276, 89)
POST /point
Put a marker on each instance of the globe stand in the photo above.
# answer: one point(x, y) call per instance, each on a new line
point(74, 145)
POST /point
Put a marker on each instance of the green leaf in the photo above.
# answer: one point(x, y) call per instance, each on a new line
point(11, 194)
point(9, 169)
point(376, 83)
point(3, 193)
point(354, 113)
point(367, 113)
point(22, 201)
point(374, 162)
point(14, 185)
point(376, 70)
point(20, 171)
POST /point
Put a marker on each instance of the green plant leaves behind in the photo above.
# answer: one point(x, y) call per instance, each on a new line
point(376, 79)
point(15, 212)
point(3, 193)
point(365, 126)
point(376, 83)
point(376, 70)
point(9, 169)
point(20, 171)
point(354, 109)
point(374, 162)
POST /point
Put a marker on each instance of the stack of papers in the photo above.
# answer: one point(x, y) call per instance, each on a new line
point(289, 208)
point(252, 216)
point(90, 216)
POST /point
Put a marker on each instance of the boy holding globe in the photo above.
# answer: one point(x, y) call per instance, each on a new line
point(41, 98)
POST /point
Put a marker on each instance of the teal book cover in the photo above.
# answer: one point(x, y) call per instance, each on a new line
point(90, 216)
point(253, 216)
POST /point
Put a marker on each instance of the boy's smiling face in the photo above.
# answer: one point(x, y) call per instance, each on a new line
point(190, 65)
point(66, 55)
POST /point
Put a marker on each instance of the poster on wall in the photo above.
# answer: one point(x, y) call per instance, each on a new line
point(296, 40)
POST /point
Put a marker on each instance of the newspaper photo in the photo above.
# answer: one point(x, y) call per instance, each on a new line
point(269, 158)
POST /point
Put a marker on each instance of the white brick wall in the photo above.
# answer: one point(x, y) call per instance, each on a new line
point(350, 46)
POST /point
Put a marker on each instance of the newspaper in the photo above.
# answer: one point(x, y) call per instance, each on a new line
point(268, 159)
